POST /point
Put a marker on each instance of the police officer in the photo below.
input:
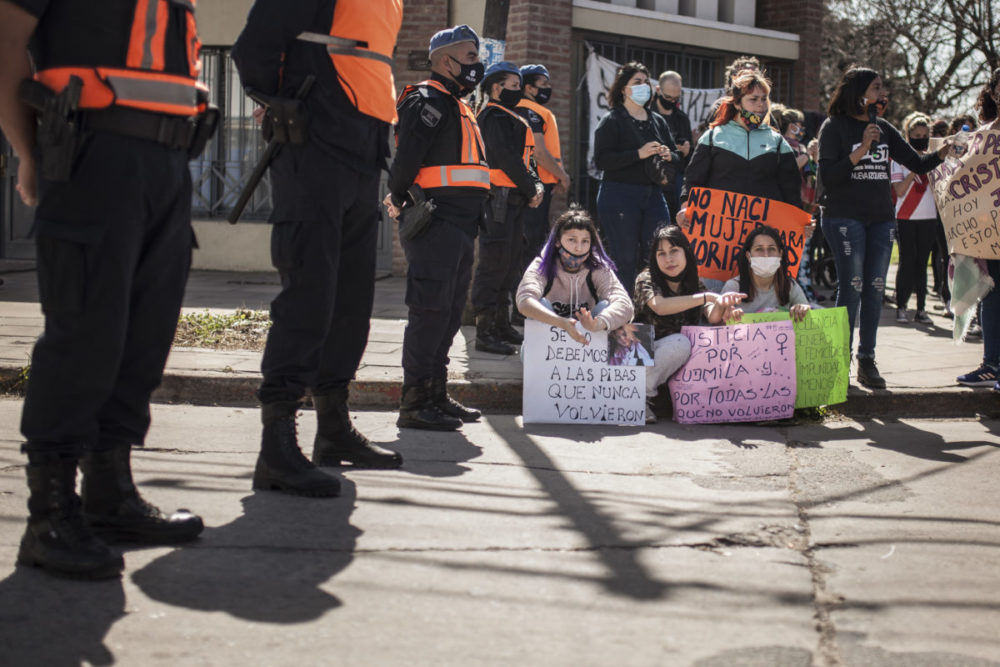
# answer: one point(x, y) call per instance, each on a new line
point(325, 219)
point(537, 87)
point(510, 146)
point(120, 114)
point(441, 152)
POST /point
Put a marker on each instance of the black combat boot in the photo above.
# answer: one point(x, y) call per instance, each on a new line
point(416, 410)
point(57, 538)
point(503, 329)
point(338, 442)
point(280, 464)
point(486, 335)
point(116, 512)
point(868, 374)
point(448, 405)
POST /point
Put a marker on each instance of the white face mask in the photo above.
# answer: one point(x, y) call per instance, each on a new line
point(765, 267)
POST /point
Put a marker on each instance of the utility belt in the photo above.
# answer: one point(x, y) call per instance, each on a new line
point(63, 127)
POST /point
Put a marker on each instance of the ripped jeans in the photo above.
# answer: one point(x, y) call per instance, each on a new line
point(861, 253)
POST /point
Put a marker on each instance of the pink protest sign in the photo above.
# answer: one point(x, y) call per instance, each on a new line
point(736, 373)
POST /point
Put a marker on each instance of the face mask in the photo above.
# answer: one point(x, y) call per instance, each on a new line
point(640, 93)
point(570, 261)
point(668, 105)
point(543, 95)
point(765, 267)
point(920, 144)
point(509, 98)
point(470, 75)
point(753, 120)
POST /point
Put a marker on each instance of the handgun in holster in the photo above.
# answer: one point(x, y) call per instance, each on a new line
point(59, 137)
point(415, 216)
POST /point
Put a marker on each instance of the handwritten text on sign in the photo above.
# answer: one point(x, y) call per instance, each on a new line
point(742, 372)
point(822, 355)
point(569, 383)
point(967, 193)
point(718, 222)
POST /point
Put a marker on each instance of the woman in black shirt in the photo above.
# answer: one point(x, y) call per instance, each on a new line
point(858, 214)
point(630, 205)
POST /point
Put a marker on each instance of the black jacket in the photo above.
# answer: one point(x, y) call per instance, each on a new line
point(617, 141)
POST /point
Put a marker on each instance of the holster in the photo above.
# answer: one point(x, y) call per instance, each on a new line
point(286, 120)
point(59, 138)
point(415, 217)
point(205, 125)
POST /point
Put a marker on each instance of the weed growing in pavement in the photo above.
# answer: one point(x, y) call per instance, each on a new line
point(243, 329)
point(16, 383)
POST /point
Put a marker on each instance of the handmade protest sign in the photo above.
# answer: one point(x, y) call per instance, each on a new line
point(566, 382)
point(822, 355)
point(718, 222)
point(736, 373)
point(967, 194)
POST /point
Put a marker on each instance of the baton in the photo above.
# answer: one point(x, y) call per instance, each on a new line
point(273, 146)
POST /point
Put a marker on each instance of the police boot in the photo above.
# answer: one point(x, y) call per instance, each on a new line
point(417, 410)
point(57, 538)
point(486, 336)
point(337, 441)
point(448, 405)
point(280, 464)
point(502, 326)
point(116, 512)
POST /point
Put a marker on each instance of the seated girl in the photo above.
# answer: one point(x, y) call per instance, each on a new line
point(669, 295)
point(764, 277)
point(574, 280)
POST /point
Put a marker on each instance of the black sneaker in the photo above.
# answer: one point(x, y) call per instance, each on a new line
point(922, 318)
point(984, 376)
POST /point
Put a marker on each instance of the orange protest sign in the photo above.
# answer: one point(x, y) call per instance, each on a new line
point(718, 222)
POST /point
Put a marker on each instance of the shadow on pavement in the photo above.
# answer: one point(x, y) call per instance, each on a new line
point(434, 453)
point(269, 565)
point(54, 622)
point(898, 436)
point(626, 575)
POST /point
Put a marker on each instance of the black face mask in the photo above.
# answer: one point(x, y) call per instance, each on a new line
point(509, 98)
point(920, 144)
point(543, 95)
point(668, 105)
point(470, 75)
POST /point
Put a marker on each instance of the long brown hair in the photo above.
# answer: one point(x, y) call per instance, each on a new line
point(616, 95)
point(742, 86)
point(782, 280)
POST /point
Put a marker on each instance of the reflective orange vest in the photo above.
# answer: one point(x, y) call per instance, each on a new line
point(142, 83)
point(551, 137)
point(472, 170)
point(361, 40)
point(497, 176)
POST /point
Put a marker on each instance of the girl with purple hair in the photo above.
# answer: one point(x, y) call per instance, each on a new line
point(573, 280)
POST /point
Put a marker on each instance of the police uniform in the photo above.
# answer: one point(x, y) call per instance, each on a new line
point(510, 146)
point(120, 109)
point(542, 121)
point(325, 219)
point(439, 149)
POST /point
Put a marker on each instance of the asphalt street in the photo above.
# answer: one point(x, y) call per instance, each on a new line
point(843, 543)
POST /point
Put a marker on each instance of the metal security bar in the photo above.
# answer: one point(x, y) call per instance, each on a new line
point(220, 172)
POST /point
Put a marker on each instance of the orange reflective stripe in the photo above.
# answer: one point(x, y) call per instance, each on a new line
point(106, 86)
point(498, 176)
point(551, 136)
point(193, 46)
point(455, 176)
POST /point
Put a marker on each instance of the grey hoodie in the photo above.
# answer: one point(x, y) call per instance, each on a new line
point(570, 292)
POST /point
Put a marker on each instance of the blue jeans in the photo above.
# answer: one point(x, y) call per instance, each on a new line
point(629, 215)
point(989, 317)
point(861, 253)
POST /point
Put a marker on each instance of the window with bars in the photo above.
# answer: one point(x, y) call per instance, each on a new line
point(223, 168)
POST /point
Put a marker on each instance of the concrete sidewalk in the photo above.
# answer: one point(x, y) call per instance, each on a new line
point(919, 362)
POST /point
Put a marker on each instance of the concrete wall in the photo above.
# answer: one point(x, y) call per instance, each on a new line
point(220, 21)
point(225, 247)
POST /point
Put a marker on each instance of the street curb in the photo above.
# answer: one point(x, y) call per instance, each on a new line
point(504, 396)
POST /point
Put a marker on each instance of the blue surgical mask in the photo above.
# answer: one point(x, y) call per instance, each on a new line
point(640, 93)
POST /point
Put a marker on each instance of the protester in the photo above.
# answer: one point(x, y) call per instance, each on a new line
point(626, 349)
point(515, 186)
point(669, 295)
point(742, 153)
point(858, 216)
point(630, 144)
point(573, 280)
point(741, 65)
point(764, 277)
point(916, 223)
point(667, 101)
point(939, 252)
point(989, 319)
